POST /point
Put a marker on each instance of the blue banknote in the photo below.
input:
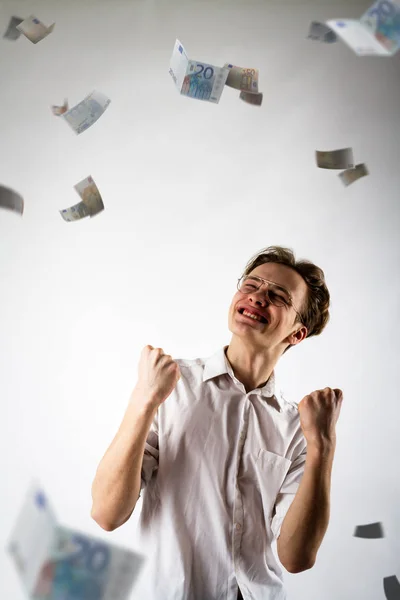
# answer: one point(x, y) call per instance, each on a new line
point(83, 115)
point(196, 79)
point(80, 567)
point(382, 19)
point(76, 569)
point(60, 563)
point(203, 81)
point(32, 536)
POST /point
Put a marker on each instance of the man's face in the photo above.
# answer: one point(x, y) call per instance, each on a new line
point(280, 320)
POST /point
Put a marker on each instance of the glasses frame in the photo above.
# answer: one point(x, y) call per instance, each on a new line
point(267, 281)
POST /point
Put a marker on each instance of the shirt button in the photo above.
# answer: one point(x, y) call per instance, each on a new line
point(238, 526)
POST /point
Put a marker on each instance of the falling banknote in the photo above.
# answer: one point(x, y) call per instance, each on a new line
point(376, 33)
point(11, 200)
point(371, 531)
point(12, 32)
point(245, 80)
point(91, 204)
point(335, 159)
point(196, 79)
point(322, 33)
point(60, 110)
point(351, 175)
point(83, 115)
point(56, 562)
point(34, 30)
point(391, 586)
point(251, 98)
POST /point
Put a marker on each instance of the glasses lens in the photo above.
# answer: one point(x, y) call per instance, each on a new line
point(277, 296)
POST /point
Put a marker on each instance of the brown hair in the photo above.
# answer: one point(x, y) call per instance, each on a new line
point(315, 311)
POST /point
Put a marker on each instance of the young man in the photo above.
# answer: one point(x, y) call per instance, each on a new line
point(222, 455)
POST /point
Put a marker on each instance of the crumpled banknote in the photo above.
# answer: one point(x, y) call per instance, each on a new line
point(90, 205)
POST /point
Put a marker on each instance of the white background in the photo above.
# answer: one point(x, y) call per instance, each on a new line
point(191, 191)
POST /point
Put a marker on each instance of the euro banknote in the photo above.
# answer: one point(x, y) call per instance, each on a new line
point(357, 37)
point(90, 205)
point(391, 587)
point(250, 98)
point(83, 115)
point(11, 200)
point(243, 79)
point(32, 536)
point(322, 33)
point(60, 563)
point(81, 567)
point(34, 30)
point(60, 110)
point(376, 33)
point(382, 19)
point(371, 531)
point(351, 175)
point(196, 79)
point(12, 33)
point(75, 212)
point(335, 159)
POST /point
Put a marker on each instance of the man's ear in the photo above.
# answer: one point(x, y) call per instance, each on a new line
point(299, 335)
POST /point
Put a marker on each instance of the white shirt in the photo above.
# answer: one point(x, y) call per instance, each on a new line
point(220, 470)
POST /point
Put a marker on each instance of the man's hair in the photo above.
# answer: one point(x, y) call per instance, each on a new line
point(315, 309)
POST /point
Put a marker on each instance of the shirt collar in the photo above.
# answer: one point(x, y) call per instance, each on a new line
point(218, 364)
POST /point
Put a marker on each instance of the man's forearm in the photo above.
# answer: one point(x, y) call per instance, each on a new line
point(116, 486)
point(307, 519)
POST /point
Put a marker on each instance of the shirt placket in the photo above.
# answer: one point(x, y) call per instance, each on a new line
point(238, 512)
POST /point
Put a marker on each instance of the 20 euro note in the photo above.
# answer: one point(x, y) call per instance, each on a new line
point(60, 563)
point(81, 567)
point(376, 33)
point(194, 78)
point(83, 115)
point(382, 19)
point(32, 536)
point(11, 200)
point(90, 205)
point(335, 159)
point(34, 30)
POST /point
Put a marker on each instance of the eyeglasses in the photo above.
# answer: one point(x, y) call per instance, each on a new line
point(276, 294)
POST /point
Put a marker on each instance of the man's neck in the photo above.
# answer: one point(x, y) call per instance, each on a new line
point(251, 367)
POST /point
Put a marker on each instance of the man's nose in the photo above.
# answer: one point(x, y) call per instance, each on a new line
point(262, 294)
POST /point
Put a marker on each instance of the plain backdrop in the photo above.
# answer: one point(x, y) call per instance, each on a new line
point(192, 191)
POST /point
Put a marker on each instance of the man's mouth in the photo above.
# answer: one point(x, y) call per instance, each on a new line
point(249, 315)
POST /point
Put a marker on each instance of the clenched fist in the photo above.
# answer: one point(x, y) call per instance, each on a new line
point(158, 375)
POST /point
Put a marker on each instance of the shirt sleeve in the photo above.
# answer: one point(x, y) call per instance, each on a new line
point(150, 457)
point(287, 492)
